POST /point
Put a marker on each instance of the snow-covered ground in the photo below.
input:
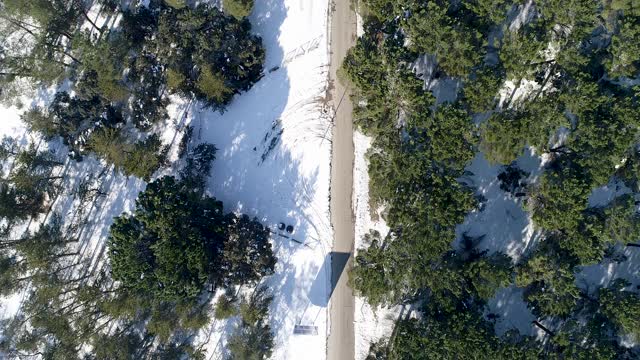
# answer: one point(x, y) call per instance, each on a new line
point(502, 219)
point(506, 227)
point(371, 324)
point(273, 162)
point(89, 219)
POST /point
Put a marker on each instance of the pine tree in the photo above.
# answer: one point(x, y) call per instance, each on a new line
point(622, 307)
point(238, 8)
point(247, 254)
point(213, 87)
point(253, 339)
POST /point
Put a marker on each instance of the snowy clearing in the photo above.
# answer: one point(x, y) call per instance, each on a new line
point(273, 162)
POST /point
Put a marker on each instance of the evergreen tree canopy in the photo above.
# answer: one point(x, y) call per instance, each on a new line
point(177, 240)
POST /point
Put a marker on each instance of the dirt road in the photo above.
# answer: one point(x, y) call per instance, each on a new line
point(341, 342)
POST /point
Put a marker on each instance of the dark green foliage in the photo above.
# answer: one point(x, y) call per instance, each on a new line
point(9, 272)
point(457, 47)
point(170, 246)
point(198, 166)
point(178, 351)
point(364, 67)
point(414, 163)
point(602, 139)
point(374, 275)
point(488, 274)
point(559, 199)
point(602, 228)
point(490, 11)
point(113, 105)
point(120, 78)
point(622, 307)
point(445, 136)
point(521, 52)
point(587, 335)
point(253, 339)
point(177, 240)
point(480, 92)
point(38, 120)
point(581, 14)
point(140, 159)
point(238, 8)
point(41, 249)
point(581, 54)
point(624, 59)
point(506, 134)
point(246, 256)
point(104, 60)
point(24, 191)
point(579, 115)
point(146, 156)
point(405, 181)
point(226, 307)
point(227, 58)
point(212, 86)
point(550, 285)
point(74, 117)
point(465, 335)
point(629, 171)
point(147, 105)
point(121, 347)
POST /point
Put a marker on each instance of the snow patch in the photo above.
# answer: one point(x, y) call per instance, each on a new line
point(371, 324)
point(501, 219)
point(511, 312)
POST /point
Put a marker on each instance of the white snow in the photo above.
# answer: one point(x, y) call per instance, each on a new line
point(10, 123)
point(371, 324)
point(507, 227)
point(444, 89)
point(522, 15)
point(503, 221)
point(603, 195)
point(273, 163)
point(593, 276)
point(508, 304)
point(101, 19)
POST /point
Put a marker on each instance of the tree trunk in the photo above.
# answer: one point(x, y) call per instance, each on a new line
point(543, 62)
point(22, 74)
point(551, 71)
point(544, 328)
point(559, 149)
point(65, 268)
point(86, 16)
point(513, 93)
point(67, 254)
point(19, 24)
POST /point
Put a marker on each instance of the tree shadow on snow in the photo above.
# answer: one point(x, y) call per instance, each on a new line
point(258, 171)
